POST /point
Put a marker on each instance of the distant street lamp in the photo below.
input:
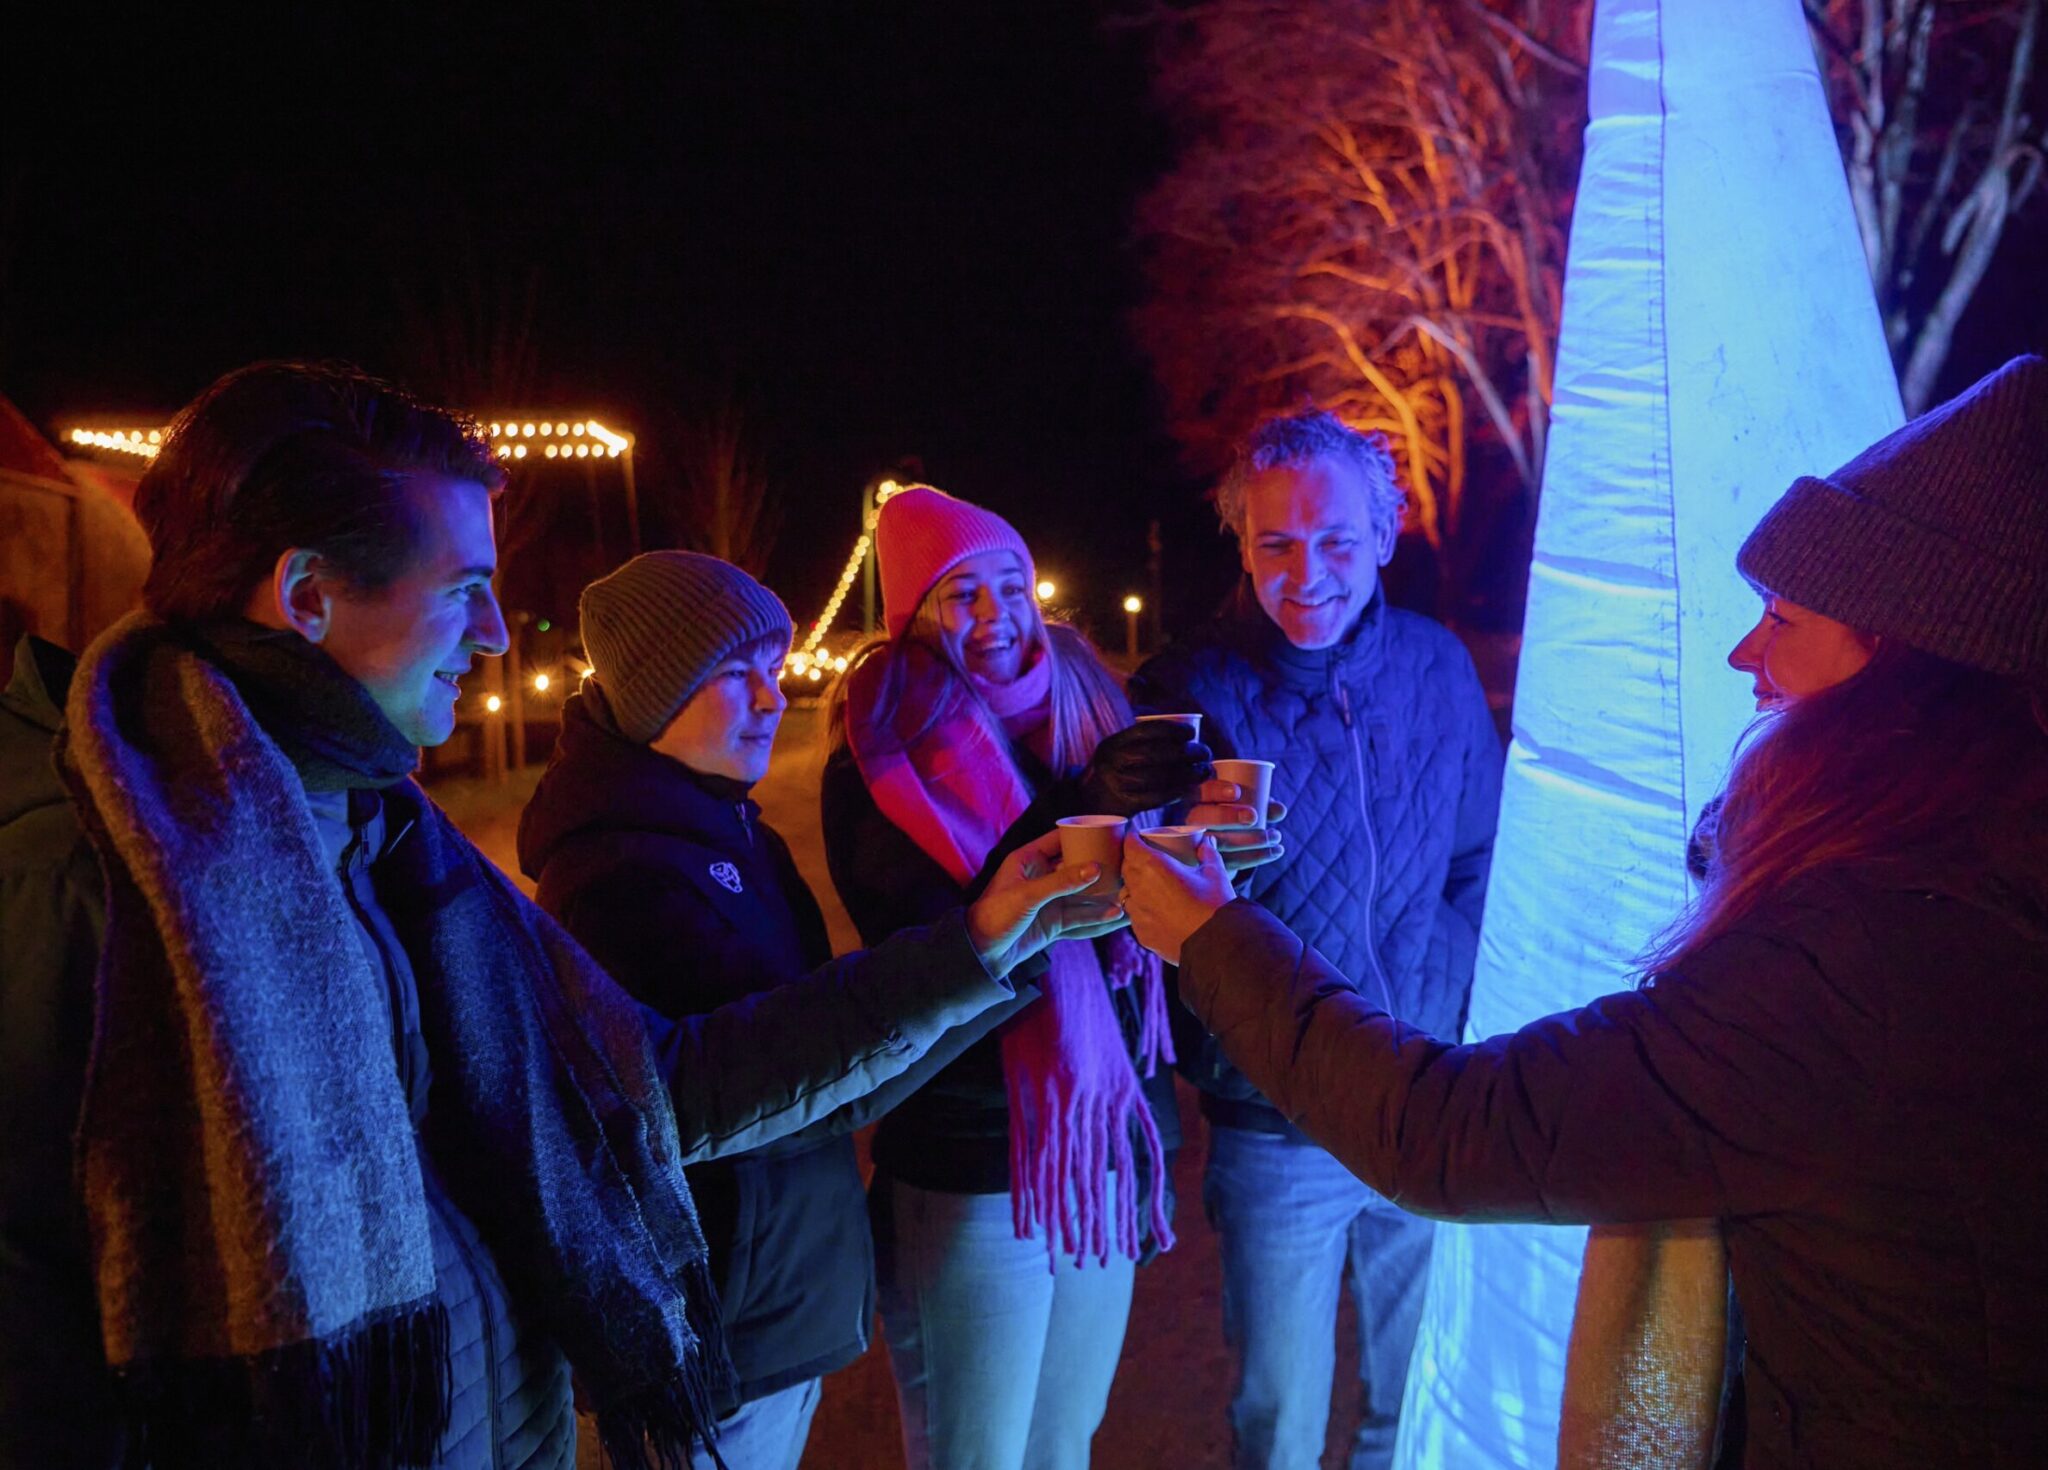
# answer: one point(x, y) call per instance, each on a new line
point(493, 703)
point(540, 683)
point(1132, 607)
point(1046, 589)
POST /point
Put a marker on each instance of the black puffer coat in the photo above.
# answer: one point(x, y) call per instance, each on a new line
point(646, 862)
point(1850, 1081)
point(1389, 764)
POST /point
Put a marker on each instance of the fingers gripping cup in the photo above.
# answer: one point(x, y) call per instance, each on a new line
point(1254, 783)
point(1179, 843)
point(1096, 839)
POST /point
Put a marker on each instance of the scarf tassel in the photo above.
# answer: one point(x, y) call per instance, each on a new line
point(1059, 1172)
point(376, 1396)
point(1130, 965)
point(656, 1428)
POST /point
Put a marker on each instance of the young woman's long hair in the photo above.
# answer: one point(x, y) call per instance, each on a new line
point(918, 675)
point(1915, 768)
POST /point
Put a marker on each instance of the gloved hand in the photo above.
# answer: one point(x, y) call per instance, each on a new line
point(1149, 764)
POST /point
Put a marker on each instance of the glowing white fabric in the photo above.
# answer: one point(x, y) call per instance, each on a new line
point(1719, 339)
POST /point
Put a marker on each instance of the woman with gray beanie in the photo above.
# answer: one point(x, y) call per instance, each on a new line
point(1836, 1055)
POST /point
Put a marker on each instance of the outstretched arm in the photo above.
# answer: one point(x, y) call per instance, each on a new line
point(754, 1071)
point(1647, 1105)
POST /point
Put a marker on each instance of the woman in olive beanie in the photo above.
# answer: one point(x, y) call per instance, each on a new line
point(1837, 1056)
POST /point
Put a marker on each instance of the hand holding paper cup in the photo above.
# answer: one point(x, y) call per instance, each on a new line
point(1095, 839)
point(1179, 843)
point(1254, 781)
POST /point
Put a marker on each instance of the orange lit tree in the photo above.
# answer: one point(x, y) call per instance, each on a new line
point(1367, 212)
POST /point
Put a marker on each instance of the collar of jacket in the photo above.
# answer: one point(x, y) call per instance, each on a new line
point(597, 780)
point(41, 680)
point(1356, 654)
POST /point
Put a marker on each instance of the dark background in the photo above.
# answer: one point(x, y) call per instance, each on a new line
point(883, 231)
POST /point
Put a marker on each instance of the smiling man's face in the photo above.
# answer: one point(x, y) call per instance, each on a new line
point(1311, 548)
point(410, 640)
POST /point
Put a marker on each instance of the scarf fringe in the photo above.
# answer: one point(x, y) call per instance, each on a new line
point(1132, 964)
point(376, 1397)
point(656, 1428)
point(1060, 1158)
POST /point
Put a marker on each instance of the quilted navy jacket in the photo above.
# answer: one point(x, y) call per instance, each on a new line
point(1390, 765)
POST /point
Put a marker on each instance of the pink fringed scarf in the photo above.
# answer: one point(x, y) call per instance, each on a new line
point(1073, 1092)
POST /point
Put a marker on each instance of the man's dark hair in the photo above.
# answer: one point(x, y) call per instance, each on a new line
point(285, 454)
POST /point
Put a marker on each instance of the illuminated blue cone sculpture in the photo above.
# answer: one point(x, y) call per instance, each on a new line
point(1719, 339)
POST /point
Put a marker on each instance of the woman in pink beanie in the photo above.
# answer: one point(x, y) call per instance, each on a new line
point(1015, 1192)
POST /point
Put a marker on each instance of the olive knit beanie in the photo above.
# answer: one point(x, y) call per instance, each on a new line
point(921, 533)
point(1936, 535)
point(659, 626)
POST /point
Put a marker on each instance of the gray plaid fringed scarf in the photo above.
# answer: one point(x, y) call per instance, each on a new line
point(259, 1225)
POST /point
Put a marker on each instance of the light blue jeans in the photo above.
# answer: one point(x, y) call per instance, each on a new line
point(767, 1433)
point(1000, 1362)
point(1290, 1219)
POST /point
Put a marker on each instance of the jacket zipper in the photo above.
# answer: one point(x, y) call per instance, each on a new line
point(484, 1315)
point(746, 826)
point(349, 856)
point(435, 1201)
point(1372, 841)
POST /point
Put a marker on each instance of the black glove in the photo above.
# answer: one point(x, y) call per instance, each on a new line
point(1149, 764)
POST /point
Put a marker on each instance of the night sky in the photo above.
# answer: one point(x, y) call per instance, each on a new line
point(882, 237)
point(884, 231)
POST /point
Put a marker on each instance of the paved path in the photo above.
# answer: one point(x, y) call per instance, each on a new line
point(1166, 1409)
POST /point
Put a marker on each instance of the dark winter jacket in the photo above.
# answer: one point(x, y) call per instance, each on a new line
point(646, 863)
point(56, 1405)
point(868, 1018)
point(511, 1405)
point(1850, 1081)
point(510, 1408)
point(953, 1134)
point(1390, 766)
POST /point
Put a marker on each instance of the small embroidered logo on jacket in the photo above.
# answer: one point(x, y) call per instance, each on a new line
point(727, 875)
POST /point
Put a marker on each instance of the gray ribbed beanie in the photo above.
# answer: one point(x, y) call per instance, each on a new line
point(1936, 535)
point(657, 627)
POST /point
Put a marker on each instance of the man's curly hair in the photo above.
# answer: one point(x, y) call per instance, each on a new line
point(1302, 438)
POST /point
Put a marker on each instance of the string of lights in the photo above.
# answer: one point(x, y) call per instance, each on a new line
point(589, 439)
point(560, 438)
point(806, 662)
point(142, 443)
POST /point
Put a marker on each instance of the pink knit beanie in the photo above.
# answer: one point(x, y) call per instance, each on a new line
point(921, 534)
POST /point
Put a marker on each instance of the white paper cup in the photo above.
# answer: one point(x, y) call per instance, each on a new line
point(1179, 843)
point(1192, 721)
point(1095, 839)
point(1254, 780)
